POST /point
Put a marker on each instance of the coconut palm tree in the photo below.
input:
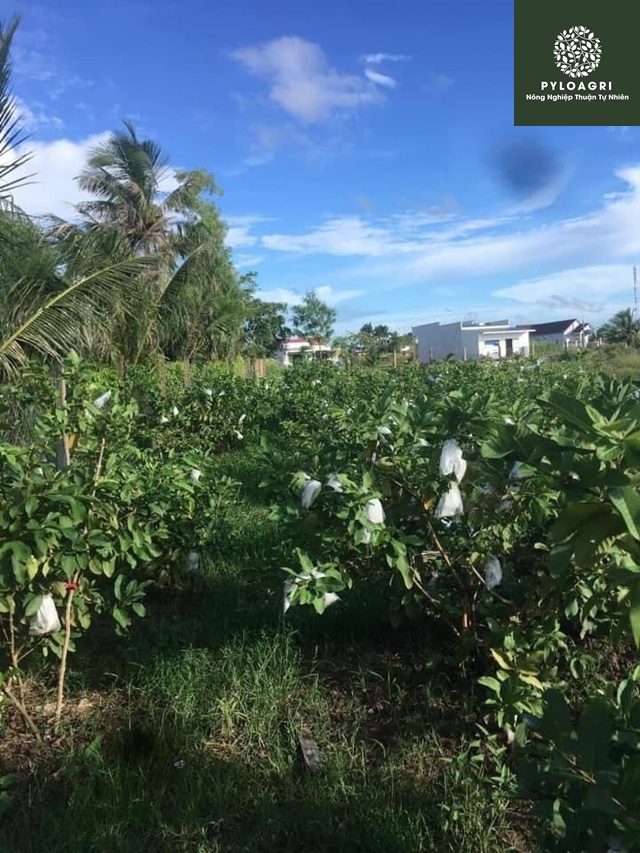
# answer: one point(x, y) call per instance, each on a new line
point(146, 263)
point(131, 184)
point(622, 328)
point(42, 311)
point(135, 213)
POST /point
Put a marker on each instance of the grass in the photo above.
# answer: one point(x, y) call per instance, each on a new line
point(619, 361)
point(183, 736)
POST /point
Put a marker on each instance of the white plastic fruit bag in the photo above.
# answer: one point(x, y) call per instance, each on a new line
point(45, 620)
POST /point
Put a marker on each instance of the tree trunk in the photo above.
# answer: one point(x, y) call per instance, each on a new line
point(121, 367)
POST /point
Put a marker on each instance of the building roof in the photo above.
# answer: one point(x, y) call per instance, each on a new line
point(487, 328)
point(504, 331)
point(557, 327)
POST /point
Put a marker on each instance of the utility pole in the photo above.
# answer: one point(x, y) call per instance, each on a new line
point(635, 291)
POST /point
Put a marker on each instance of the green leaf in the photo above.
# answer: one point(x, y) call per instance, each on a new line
point(495, 450)
point(31, 567)
point(634, 613)
point(20, 553)
point(78, 510)
point(557, 716)
point(576, 516)
point(599, 800)
point(121, 617)
point(560, 559)
point(627, 502)
point(69, 565)
point(117, 588)
point(33, 605)
point(319, 605)
point(30, 505)
point(590, 539)
point(306, 564)
point(500, 659)
point(629, 785)
point(402, 564)
point(490, 682)
point(571, 410)
point(594, 733)
point(399, 547)
point(42, 546)
point(532, 680)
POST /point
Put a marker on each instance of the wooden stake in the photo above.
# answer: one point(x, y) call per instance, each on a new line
point(62, 448)
point(162, 374)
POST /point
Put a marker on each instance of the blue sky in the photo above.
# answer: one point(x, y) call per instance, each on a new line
point(365, 150)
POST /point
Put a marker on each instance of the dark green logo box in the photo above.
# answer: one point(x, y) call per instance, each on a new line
point(576, 62)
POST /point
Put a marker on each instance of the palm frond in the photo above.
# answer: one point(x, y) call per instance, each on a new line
point(50, 326)
point(11, 133)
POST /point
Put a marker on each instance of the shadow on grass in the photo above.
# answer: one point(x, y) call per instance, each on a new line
point(194, 747)
point(170, 798)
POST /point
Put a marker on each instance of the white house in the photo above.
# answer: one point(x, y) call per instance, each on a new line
point(566, 333)
point(301, 349)
point(468, 340)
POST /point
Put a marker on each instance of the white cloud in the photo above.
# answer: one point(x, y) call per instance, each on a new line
point(378, 58)
point(248, 261)
point(35, 117)
point(412, 250)
point(587, 289)
point(302, 81)
point(54, 166)
point(438, 83)
point(239, 230)
point(544, 197)
point(169, 182)
point(281, 294)
point(238, 237)
point(250, 162)
point(357, 236)
point(380, 79)
point(333, 297)
point(294, 297)
point(343, 236)
point(588, 258)
point(264, 140)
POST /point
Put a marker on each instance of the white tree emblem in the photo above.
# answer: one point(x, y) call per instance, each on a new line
point(577, 52)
